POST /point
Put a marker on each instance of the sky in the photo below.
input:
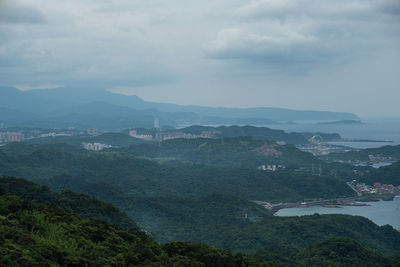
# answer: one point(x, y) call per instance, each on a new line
point(337, 55)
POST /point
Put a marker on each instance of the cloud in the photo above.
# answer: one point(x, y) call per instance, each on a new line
point(305, 33)
point(242, 43)
point(391, 7)
point(192, 51)
point(14, 12)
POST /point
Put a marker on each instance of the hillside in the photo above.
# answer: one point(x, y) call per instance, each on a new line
point(262, 133)
point(113, 139)
point(41, 234)
point(341, 252)
point(243, 152)
point(386, 175)
point(132, 175)
point(87, 207)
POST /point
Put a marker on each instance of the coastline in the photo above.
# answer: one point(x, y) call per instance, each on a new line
point(328, 203)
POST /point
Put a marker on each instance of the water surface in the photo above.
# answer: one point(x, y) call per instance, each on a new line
point(381, 212)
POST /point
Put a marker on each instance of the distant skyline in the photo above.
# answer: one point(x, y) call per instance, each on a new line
point(310, 55)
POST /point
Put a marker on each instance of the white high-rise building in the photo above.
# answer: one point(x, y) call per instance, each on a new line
point(156, 123)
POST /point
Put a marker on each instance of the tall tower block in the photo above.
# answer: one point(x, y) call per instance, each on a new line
point(156, 123)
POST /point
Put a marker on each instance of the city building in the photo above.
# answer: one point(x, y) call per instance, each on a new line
point(163, 136)
point(93, 131)
point(134, 134)
point(7, 137)
point(95, 146)
point(156, 123)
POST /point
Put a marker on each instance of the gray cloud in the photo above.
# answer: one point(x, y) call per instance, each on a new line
point(257, 52)
point(391, 7)
point(14, 12)
point(309, 33)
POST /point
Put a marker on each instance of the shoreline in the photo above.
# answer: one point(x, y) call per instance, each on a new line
point(364, 141)
point(328, 203)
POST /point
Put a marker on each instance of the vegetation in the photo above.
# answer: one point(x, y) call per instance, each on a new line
point(362, 155)
point(46, 235)
point(387, 175)
point(342, 252)
point(42, 235)
point(132, 175)
point(241, 152)
point(86, 206)
point(113, 139)
point(261, 133)
point(176, 194)
point(223, 224)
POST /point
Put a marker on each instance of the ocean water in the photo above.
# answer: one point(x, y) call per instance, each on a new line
point(361, 145)
point(381, 212)
point(383, 129)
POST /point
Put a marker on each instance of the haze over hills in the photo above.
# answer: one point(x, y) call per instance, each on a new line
point(85, 107)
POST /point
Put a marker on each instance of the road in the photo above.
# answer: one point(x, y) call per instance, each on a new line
point(275, 207)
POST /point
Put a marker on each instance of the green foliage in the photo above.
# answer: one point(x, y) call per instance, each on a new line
point(113, 139)
point(261, 133)
point(342, 252)
point(41, 235)
point(182, 201)
point(86, 206)
point(132, 175)
point(242, 152)
point(387, 175)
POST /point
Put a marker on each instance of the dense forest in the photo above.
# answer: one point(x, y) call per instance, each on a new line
point(245, 152)
point(41, 233)
point(131, 174)
point(202, 190)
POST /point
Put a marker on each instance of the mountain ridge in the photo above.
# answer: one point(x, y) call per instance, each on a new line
point(67, 96)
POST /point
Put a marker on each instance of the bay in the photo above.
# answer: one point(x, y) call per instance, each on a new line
point(383, 129)
point(380, 212)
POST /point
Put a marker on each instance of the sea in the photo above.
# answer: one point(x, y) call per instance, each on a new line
point(381, 212)
point(382, 129)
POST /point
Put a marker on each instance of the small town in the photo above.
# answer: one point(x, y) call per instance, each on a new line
point(377, 188)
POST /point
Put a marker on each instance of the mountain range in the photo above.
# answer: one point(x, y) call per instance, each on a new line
point(86, 107)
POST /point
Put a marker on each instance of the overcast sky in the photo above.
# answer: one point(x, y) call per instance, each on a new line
point(339, 55)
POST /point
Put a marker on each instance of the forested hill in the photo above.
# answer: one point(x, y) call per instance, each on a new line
point(132, 175)
point(387, 175)
point(84, 205)
point(42, 234)
point(113, 139)
point(240, 152)
point(262, 133)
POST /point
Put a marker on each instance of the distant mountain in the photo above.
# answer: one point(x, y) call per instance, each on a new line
point(15, 99)
point(88, 107)
point(342, 122)
point(79, 95)
point(10, 115)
